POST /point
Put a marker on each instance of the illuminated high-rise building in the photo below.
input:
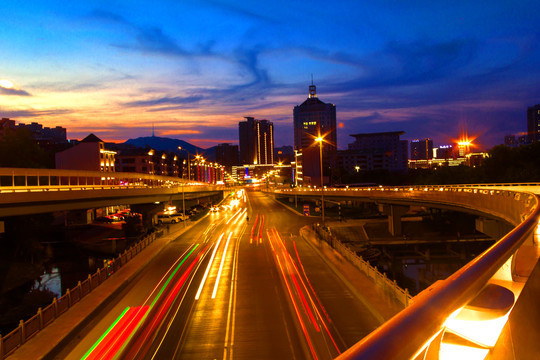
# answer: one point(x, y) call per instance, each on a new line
point(314, 118)
point(533, 122)
point(422, 149)
point(256, 141)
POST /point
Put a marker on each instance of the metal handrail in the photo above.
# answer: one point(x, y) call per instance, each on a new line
point(409, 332)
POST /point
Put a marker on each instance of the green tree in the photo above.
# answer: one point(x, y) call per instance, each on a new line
point(18, 149)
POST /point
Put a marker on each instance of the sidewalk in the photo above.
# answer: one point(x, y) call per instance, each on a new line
point(381, 304)
point(63, 329)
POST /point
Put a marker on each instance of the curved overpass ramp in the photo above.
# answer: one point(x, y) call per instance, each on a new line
point(463, 315)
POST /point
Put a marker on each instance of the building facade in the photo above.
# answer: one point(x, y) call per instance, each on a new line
point(533, 122)
point(136, 160)
point(311, 119)
point(375, 151)
point(422, 149)
point(256, 141)
point(88, 154)
point(227, 155)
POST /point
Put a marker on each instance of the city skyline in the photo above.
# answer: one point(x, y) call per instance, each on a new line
point(195, 70)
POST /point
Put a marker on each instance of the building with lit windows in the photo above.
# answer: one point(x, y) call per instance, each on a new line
point(136, 160)
point(315, 118)
point(375, 151)
point(421, 149)
point(88, 154)
point(256, 141)
point(533, 122)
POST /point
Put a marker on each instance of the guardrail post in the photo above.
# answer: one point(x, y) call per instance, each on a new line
point(80, 289)
point(40, 316)
point(55, 307)
point(22, 336)
point(406, 297)
point(68, 293)
point(90, 282)
point(98, 276)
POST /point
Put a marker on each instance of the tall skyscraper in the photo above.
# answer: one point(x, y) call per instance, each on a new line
point(256, 141)
point(227, 155)
point(422, 149)
point(315, 118)
point(533, 122)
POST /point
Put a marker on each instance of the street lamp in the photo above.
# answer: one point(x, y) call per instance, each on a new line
point(319, 139)
point(188, 164)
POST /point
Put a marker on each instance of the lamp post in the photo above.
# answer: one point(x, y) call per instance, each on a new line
point(188, 164)
point(320, 141)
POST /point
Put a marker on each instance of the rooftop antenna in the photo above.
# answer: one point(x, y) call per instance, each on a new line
point(312, 89)
point(153, 134)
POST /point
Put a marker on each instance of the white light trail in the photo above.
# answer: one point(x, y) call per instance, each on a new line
point(221, 266)
point(208, 268)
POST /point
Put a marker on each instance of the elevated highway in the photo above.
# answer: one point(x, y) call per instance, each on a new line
point(31, 191)
point(487, 309)
point(477, 312)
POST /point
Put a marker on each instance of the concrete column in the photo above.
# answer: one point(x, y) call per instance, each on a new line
point(493, 228)
point(394, 212)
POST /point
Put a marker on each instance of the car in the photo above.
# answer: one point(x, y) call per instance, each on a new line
point(214, 208)
point(104, 219)
point(168, 218)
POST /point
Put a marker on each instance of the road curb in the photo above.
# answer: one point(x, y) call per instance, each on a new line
point(315, 243)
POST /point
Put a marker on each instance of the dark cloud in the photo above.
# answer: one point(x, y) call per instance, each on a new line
point(33, 113)
point(238, 10)
point(6, 91)
point(176, 100)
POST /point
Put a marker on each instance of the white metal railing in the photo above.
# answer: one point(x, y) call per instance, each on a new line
point(442, 321)
point(29, 180)
point(380, 279)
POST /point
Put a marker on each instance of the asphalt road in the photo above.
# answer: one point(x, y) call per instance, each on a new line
point(231, 288)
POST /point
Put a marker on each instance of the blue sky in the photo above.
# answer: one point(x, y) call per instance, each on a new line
point(194, 69)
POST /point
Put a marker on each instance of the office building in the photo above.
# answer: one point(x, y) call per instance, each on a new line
point(445, 152)
point(314, 118)
point(256, 141)
point(136, 160)
point(533, 122)
point(375, 151)
point(227, 155)
point(422, 149)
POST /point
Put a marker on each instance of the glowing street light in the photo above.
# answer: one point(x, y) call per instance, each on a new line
point(188, 163)
point(319, 139)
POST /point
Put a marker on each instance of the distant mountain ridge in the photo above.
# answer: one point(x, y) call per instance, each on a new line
point(168, 144)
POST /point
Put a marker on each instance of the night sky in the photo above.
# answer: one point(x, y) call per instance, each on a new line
point(195, 68)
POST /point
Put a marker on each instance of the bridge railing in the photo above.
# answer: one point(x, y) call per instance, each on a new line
point(45, 316)
point(380, 279)
point(16, 180)
point(465, 313)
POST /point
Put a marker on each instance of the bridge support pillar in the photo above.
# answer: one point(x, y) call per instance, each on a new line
point(394, 212)
point(492, 228)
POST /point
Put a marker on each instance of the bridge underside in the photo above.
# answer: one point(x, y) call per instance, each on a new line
point(35, 203)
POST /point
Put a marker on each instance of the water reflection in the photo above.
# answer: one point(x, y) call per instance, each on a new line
point(51, 281)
